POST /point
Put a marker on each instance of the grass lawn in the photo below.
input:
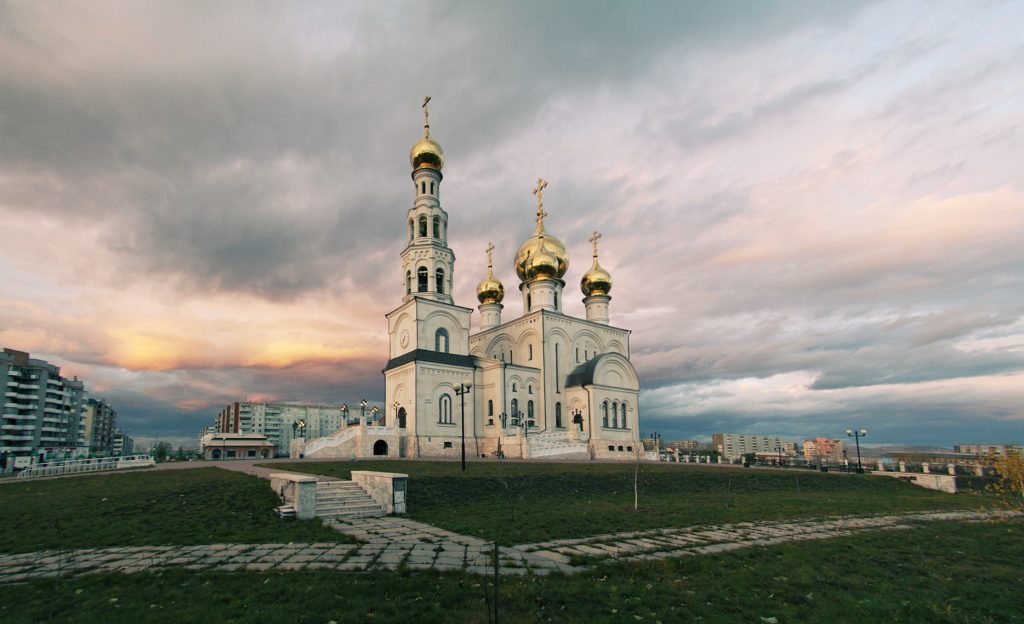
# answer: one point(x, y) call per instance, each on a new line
point(942, 572)
point(517, 503)
point(200, 506)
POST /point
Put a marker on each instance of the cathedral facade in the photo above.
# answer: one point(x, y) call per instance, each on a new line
point(542, 385)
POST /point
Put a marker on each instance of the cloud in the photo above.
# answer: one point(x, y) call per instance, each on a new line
point(202, 202)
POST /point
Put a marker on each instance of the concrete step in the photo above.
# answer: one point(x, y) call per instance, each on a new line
point(340, 508)
point(286, 511)
point(345, 499)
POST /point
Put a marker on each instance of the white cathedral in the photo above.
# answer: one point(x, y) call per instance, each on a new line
point(543, 385)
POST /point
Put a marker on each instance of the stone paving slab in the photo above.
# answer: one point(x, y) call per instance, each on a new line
point(392, 543)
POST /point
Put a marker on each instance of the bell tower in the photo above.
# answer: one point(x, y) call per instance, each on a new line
point(427, 261)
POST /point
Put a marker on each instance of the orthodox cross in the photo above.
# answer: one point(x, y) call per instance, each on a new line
point(539, 192)
point(593, 239)
point(426, 114)
point(490, 251)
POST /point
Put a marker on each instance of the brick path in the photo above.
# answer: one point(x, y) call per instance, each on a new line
point(387, 543)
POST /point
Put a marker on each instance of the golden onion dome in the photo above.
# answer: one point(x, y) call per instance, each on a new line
point(427, 153)
point(542, 265)
point(533, 246)
point(596, 281)
point(490, 290)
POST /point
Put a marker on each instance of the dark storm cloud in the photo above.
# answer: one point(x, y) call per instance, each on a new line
point(131, 140)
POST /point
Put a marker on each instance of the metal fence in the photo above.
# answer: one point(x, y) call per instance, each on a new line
point(49, 469)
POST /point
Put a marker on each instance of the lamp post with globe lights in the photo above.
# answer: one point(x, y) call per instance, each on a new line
point(857, 435)
point(461, 391)
point(362, 411)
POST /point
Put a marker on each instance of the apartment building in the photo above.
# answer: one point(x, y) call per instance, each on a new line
point(823, 449)
point(41, 417)
point(736, 445)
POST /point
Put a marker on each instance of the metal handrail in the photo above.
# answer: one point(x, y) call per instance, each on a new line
point(73, 466)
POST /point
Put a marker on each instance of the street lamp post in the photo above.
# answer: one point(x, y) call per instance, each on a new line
point(344, 413)
point(362, 411)
point(461, 391)
point(857, 435)
point(395, 407)
point(375, 412)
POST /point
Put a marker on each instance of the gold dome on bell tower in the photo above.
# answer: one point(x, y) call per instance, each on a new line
point(596, 281)
point(490, 289)
point(542, 248)
point(426, 152)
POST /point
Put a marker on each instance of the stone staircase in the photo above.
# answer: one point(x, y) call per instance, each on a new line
point(557, 446)
point(344, 499)
point(323, 446)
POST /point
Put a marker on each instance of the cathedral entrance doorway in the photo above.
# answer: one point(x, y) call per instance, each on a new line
point(380, 447)
point(401, 418)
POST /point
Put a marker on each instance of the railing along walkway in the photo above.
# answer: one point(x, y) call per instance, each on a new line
point(49, 469)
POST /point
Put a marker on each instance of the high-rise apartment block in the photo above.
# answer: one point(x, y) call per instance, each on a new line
point(42, 411)
point(122, 444)
point(736, 445)
point(99, 427)
point(823, 449)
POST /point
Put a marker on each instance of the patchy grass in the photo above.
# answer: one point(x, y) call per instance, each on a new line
point(198, 506)
point(517, 502)
point(941, 572)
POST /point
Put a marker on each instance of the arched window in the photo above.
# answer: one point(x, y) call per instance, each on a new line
point(604, 414)
point(431, 188)
point(423, 225)
point(408, 282)
point(529, 412)
point(622, 419)
point(437, 227)
point(444, 409)
point(440, 281)
point(529, 389)
point(529, 352)
point(421, 279)
point(490, 407)
point(556, 300)
point(441, 340)
point(423, 187)
point(615, 415)
point(412, 229)
point(515, 409)
point(558, 415)
point(529, 302)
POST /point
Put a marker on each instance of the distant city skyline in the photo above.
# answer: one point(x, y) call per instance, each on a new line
point(813, 212)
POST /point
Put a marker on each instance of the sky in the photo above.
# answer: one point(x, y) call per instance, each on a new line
point(813, 212)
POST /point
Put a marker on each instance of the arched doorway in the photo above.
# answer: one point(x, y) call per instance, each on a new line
point(401, 418)
point(380, 447)
point(216, 453)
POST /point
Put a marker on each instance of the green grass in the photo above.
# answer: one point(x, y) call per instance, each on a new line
point(518, 503)
point(941, 572)
point(197, 506)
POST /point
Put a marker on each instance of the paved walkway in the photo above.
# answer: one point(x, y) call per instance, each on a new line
point(388, 543)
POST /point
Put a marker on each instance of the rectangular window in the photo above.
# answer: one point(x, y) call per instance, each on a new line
point(448, 445)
